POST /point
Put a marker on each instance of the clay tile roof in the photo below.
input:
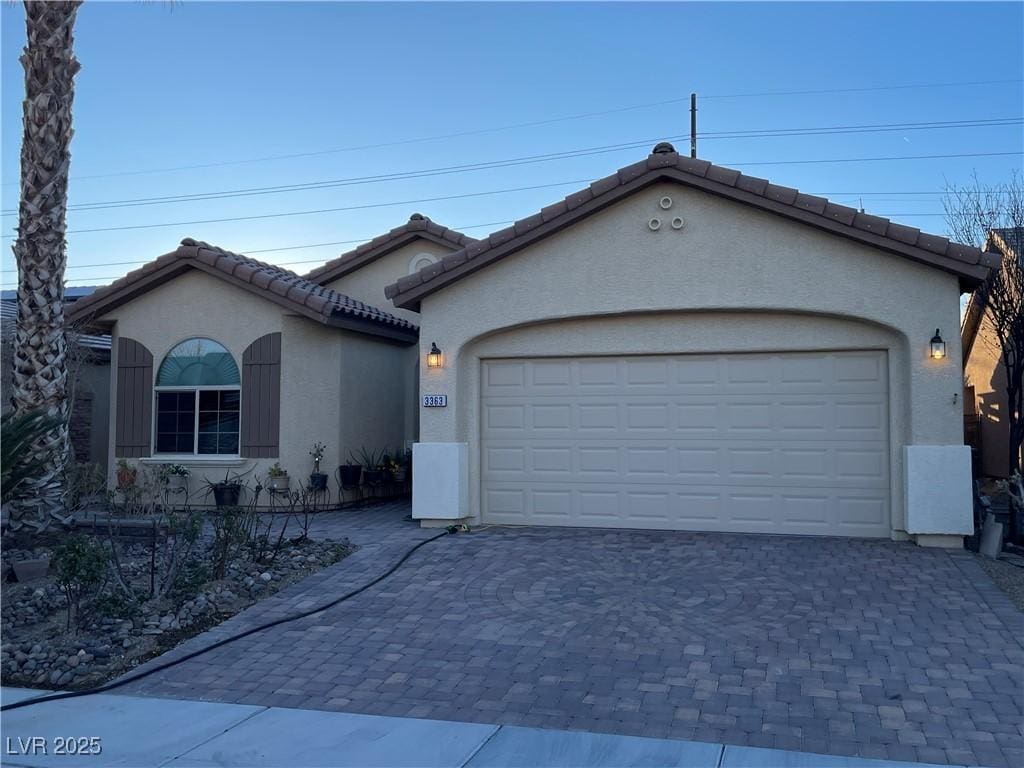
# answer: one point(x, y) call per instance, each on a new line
point(417, 227)
point(665, 164)
point(276, 284)
point(1000, 244)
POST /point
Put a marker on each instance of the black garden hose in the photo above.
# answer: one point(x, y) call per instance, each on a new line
point(167, 665)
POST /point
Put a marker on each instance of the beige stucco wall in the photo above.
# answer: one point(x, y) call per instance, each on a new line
point(663, 292)
point(325, 372)
point(986, 373)
point(367, 283)
point(379, 381)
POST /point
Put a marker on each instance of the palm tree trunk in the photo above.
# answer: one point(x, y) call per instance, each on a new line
point(40, 374)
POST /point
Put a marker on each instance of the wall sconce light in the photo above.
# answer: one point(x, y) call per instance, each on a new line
point(434, 358)
point(938, 346)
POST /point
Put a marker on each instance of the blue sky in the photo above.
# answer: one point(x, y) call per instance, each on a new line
point(211, 84)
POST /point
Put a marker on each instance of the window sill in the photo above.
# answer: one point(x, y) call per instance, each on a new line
point(206, 461)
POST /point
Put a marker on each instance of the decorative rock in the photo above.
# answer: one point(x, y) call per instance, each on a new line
point(266, 576)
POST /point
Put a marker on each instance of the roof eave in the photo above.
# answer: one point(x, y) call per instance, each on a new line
point(348, 322)
point(88, 316)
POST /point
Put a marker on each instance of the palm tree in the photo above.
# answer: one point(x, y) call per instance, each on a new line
point(40, 372)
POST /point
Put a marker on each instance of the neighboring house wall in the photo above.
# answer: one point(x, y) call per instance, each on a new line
point(367, 283)
point(986, 373)
point(90, 419)
point(318, 367)
point(733, 279)
point(89, 371)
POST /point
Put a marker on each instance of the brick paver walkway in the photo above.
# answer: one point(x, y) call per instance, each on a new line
point(848, 647)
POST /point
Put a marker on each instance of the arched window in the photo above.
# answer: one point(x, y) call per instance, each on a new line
point(197, 400)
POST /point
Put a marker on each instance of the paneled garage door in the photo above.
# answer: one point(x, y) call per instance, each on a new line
point(775, 443)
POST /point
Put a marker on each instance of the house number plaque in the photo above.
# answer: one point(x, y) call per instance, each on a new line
point(435, 401)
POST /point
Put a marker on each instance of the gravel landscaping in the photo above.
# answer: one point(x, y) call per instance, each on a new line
point(1009, 578)
point(115, 630)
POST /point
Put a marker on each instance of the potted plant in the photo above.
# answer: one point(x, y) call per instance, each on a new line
point(349, 474)
point(317, 480)
point(395, 466)
point(176, 477)
point(401, 462)
point(277, 478)
point(371, 461)
point(126, 474)
point(228, 491)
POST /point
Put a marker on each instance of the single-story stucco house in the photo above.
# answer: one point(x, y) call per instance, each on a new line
point(985, 369)
point(682, 346)
point(677, 346)
point(229, 365)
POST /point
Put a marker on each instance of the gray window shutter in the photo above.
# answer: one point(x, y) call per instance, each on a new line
point(261, 398)
point(134, 399)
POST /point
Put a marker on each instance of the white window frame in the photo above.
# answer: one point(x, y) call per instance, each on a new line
point(195, 455)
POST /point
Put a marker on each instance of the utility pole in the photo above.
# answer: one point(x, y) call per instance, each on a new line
point(693, 125)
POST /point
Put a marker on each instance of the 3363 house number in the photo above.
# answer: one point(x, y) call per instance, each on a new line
point(435, 401)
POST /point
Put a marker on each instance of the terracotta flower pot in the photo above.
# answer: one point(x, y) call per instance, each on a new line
point(126, 478)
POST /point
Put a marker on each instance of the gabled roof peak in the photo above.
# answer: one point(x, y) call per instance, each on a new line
point(417, 227)
point(970, 264)
point(277, 284)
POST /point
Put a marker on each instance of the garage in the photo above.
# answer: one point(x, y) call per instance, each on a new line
point(682, 346)
point(792, 443)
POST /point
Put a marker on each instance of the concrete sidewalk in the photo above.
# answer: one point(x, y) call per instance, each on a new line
point(138, 731)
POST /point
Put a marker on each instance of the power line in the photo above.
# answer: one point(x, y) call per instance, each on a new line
point(326, 210)
point(525, 160)
point(862, 90)
point(534, 123)
point(831, 194)
point(359, 180)
point(504, 191)
point(340, 242)
point(250, 251)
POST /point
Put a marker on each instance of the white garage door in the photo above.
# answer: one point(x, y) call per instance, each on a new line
point(774, 443)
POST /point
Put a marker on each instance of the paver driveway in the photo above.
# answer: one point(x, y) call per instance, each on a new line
point(850, 647)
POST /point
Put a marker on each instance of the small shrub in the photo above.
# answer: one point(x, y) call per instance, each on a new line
point(230, 528)
point(116, 605)
point(189, 581)
point(81, 564)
